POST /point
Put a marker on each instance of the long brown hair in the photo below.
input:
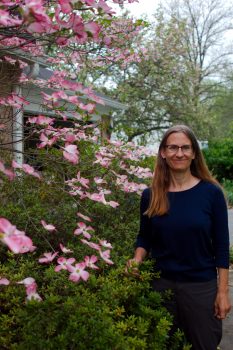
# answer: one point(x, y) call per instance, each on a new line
point(159, 204)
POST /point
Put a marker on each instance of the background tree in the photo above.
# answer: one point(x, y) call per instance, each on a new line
point(159, 89)
point(222, 107)
point(178, 77)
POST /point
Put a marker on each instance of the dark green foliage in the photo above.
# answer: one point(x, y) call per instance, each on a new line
point(26, 201)
point(231, 255)
point(110, 310)
point(228, 187)
point(219, 157)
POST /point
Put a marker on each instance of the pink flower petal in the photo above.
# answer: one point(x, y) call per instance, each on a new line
point(4, 282)
point(48, 227)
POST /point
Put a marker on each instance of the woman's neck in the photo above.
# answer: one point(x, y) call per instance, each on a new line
point(182, 181)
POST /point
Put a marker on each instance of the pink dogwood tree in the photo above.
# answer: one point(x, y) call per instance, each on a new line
point(69, 36)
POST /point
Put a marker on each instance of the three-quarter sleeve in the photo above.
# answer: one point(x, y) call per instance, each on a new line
point(220, 230)
point(143, 238)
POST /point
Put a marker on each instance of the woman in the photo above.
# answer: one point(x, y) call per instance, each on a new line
point(184, 226)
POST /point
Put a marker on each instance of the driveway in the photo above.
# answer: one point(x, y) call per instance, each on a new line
point(227, 341)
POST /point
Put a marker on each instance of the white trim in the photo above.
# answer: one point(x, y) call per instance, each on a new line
point(17, 136)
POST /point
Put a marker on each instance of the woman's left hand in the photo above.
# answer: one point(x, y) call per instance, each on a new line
point(222, 305)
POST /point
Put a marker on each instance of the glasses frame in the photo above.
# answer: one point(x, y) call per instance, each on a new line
point(188, 150)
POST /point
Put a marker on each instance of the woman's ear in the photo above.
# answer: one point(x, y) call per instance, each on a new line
point(163, 154)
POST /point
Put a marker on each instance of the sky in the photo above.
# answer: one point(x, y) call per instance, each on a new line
point(141, 7)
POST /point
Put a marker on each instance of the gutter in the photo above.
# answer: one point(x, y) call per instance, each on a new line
point(16, 53)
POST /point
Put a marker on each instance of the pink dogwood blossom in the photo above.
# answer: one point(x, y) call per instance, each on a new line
point(84, 217)
point(78, 272)
point(41, 120)
point(91, 244)
point(16, 240)
point(28, 169)
point(104, 161)
point(113, 204)
point(31, 288)
point(4, 281)
point(97, 197)
point(65, 6)
point(83, 229)
point(48, 258)
point(83, 181)
point(64, 264)
point(71, 153)
point(13, 100)
point(90, 262)
point(64, 249)
point(105, 255)
point(8, 172)
point(105, 244)
point(48, 227)
point(99, 180)
point(45, 141)
point(19, 243)
point(7, 20)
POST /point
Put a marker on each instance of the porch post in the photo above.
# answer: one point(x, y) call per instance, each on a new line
point(105, 127)
point(18, 130)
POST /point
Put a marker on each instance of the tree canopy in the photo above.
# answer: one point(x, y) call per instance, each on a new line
point(183, 58)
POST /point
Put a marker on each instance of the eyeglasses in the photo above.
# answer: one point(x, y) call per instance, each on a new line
point(175, 148)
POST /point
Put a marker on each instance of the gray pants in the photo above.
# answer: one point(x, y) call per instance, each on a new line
point(192, 306)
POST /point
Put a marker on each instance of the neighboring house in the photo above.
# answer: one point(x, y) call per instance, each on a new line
point(12, 136)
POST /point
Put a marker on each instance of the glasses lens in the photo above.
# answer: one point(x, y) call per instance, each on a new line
point(186, 148)
point(175, 148)
point(172, 148)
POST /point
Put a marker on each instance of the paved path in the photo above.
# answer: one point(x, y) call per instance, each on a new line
point(227, 340)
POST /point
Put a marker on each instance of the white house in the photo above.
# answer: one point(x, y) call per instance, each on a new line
point(13, 135)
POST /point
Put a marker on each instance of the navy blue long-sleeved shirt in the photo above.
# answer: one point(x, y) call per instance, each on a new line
point(192, 240)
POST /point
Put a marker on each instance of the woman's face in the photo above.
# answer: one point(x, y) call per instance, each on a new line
point(178, 152)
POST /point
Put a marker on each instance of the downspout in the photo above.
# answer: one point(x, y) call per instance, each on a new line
point(18, 119)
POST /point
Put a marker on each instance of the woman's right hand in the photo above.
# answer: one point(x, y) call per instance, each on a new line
point(131, 268)
point(132, 265)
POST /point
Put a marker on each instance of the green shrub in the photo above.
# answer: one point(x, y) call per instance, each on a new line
point(228, 187)
point(26, 202)
point(231, 255)
point(219, 157)
point(110, 311)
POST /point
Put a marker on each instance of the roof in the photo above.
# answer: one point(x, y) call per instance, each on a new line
point(44, 72)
